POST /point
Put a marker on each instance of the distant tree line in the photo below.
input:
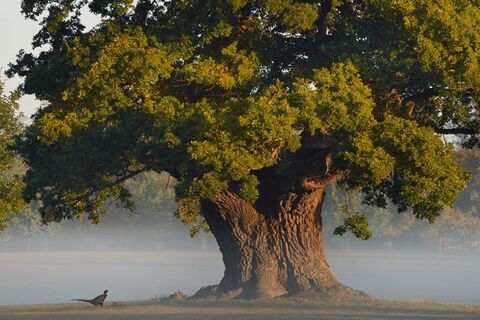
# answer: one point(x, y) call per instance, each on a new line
point(152, 226)
point(457, 229)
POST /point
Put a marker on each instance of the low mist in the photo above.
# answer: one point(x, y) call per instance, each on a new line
point(138, 263)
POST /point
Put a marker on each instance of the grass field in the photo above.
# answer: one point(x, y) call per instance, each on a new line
point(241, 310)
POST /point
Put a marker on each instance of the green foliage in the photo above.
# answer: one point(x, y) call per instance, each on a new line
point(357, 224)
point(213, 91)
point(236, 69)
point(11, 186)
point(426, 176)
point(445, 35)
point(336, 102)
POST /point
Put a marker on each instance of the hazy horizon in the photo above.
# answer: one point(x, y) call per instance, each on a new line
point(89, 260)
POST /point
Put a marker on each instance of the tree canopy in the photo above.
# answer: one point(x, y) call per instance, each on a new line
point(213, 91)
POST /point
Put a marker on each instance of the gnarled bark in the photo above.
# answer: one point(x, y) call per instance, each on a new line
point(275, 248)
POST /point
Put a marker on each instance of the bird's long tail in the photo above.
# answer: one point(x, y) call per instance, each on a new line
point(83, 300)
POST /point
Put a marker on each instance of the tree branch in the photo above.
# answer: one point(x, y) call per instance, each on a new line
point(120, 180)
point(422, 95)
point(130, 174)
point(315, 182)
point(456, 131)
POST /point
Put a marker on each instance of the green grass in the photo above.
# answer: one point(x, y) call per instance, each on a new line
point(241, 310)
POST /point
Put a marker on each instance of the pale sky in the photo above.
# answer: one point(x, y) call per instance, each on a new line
point(15, 33)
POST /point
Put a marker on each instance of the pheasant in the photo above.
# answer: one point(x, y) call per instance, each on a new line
point(97, 301)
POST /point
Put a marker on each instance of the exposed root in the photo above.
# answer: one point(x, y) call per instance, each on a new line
point(334, 294)
point(214, 293)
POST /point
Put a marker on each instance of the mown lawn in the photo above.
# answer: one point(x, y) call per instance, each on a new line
point(241, 310)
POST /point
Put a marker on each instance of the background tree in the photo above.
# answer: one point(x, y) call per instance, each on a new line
point(254, 107)
point(458, 227)
point(152, 225)
point(11, 185)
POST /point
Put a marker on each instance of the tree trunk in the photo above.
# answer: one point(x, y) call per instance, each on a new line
point(274, 248)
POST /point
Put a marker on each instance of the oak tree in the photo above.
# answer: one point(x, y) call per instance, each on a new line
point(254, 107)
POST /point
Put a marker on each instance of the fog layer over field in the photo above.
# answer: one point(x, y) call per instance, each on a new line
point(57, 276)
